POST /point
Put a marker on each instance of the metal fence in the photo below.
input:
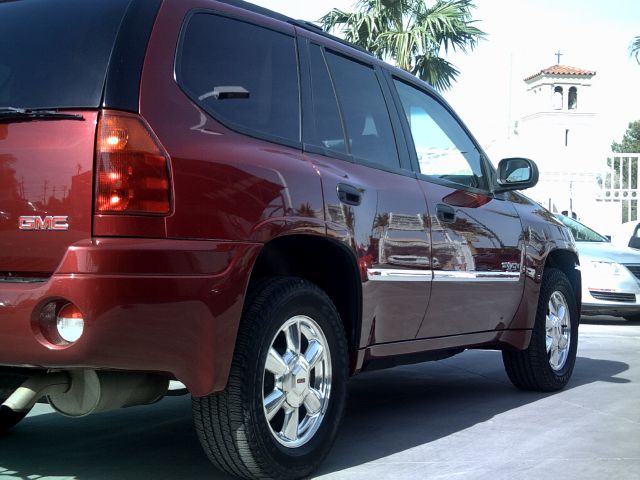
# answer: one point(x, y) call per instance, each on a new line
point(619, 184)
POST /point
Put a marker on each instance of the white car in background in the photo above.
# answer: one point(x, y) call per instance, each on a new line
point(610, 274)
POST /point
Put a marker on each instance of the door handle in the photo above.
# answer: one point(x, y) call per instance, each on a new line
point(349, 195)
point(445, 213)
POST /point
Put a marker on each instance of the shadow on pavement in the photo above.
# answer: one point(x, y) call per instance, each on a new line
point(388, 411)
point(157, 441)
point(395, 410)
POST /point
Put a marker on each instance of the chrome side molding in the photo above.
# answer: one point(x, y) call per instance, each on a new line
point(397, 275)
point(474, 276)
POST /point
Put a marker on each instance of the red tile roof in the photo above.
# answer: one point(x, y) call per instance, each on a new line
point(562, 70)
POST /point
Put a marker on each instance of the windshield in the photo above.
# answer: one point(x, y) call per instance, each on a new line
point(581, 233)
point(55, 53)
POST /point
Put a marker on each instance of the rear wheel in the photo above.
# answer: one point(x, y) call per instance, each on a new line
point(547, 364)
point(9, 418)
point(286, 393)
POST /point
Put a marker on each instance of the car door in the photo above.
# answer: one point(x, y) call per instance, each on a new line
point(477, 240)
point(372, 200)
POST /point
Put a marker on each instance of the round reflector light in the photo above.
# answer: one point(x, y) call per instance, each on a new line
point(69, 323)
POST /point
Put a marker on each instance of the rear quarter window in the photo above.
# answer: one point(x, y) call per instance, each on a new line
point(243, 75)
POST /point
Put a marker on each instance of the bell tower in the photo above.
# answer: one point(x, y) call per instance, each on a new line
point(560, 112)
point(559, 131)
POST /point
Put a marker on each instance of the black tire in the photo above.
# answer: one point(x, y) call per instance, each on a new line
point(633, 317)
point(531, 369)
point(232, 425)
point(9, 418)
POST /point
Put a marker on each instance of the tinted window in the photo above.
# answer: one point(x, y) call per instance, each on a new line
point(55, 53)
point(443, 148)
point(242, 74)
point(365, 112)
point(328, 132)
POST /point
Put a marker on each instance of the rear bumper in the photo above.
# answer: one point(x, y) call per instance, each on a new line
point(164, 306)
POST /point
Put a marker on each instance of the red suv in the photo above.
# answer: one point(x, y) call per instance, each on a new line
point(209, 192)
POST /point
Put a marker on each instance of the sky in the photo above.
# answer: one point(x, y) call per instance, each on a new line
point(522, 38)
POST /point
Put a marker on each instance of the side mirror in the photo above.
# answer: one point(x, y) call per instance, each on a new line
point(516, 174)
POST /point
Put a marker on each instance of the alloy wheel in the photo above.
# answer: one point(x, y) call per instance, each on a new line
point(296, 381)
point(558, 331)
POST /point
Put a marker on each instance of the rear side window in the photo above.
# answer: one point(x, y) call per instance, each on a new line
point(55, 53)
point(244, 75)
point(366, 117)
point(328, 132)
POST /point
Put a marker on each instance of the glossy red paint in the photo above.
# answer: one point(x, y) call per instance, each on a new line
point(45, 170)
point(484, 235)
point(461, 198)
point(386, 230)
point(544, 240)
point(227, 185)
point(164, 306)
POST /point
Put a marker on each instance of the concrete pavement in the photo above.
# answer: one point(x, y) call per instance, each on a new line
point(458, 418)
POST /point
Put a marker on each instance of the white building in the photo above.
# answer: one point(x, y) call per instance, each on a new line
point(559, 130)
point(559, 114)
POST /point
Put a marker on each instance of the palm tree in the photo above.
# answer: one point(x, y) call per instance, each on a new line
point(634, 48)
point(411, 33)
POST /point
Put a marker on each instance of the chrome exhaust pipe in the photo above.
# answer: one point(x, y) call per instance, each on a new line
point(78, 393)
point(36, 387)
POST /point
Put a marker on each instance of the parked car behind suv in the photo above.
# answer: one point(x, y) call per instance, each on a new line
point(235, 200)
point(611, 274)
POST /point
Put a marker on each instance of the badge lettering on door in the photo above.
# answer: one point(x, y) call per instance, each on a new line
point(511, 266)
point(55, 223)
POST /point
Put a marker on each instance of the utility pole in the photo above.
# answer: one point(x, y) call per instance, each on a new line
point(571, 199)
point(509, 98)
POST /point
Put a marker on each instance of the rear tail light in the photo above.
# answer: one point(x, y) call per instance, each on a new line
point(132, 167)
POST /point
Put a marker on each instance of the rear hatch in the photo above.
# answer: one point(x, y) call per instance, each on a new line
point(54, 61)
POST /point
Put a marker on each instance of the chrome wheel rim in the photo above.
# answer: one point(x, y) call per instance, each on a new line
point(296, 384)
point(558, 331)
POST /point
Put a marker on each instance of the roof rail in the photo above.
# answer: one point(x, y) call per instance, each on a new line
point(310, 26)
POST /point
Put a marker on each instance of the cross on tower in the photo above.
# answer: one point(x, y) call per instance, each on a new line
point(558, 54)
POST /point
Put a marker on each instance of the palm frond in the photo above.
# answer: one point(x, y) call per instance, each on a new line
point(436, 71)
point(450, 24)
point(634, 48)
point(411, 33)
